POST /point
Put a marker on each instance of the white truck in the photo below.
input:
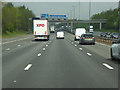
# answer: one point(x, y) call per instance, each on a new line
point(52, 29)
point(41, 29)
point(79, 32)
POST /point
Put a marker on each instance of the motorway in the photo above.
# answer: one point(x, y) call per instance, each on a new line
point(57, 63)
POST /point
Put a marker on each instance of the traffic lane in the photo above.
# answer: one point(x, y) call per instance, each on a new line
point(98, 48)
point(16, 59)
point(16, 44)
point(102, 50)
point(62, 65)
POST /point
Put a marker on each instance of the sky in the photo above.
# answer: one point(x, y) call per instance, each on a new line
point(67, 8)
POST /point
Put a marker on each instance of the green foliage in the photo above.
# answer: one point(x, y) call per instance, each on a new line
point(15, 18)
point(111, 16)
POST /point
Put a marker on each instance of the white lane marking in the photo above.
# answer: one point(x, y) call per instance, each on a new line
point(80, 48)
point(14, 81)
point(19, 45)
point(7, 49)
point(75, 45)
point(15, 40)
point(43, 48)
point(28, 67)
point(108, 66)
point(89, 54)
point(46, 45)
point(102, 44)
point(39, 54)
point(72, 42)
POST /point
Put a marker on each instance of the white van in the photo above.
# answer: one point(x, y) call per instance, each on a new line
point(52, 29)
point(79, 32)
point(60, 35)
point(41, 29)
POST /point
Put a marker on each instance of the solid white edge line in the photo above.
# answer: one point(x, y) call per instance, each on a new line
point(102, 44)
point(89, 54)
point(108, 66)
point(15, 40)
point(28, 67)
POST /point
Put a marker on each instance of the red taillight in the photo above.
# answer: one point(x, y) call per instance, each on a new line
point(93, 37)
point(83, 37)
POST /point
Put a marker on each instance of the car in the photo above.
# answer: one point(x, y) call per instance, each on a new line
point(79, 32)
point(115, 35)
point(115, 50)
point(103, 34)
point(60, 35)
point(87, 39)
point(108, 35)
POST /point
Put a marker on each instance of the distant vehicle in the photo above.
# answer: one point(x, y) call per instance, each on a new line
point(79, 32)
point(103, 34)
point(60, 35)
point(91, 31)
point(41, 29)
point(115, 35)
point(108, 34)
point(52, 29)
point(87, 39)
point(115, 50)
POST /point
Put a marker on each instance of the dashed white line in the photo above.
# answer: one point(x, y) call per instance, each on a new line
point(43, 48)
point(80, 48)
point(28, 67)
point(72, 42)
point(46, 45)
point(39, 54)
point(75, 45)
point(108, 66)
point(14, 81)
point(89, 54)
point(19, 45)
point(7, 49)
point(102, 44)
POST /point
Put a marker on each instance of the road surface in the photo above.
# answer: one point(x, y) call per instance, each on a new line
point(57, 63)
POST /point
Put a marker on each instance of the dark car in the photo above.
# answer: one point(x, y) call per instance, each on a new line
point(103, 34)
point(115, 35)
point(87, 39)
